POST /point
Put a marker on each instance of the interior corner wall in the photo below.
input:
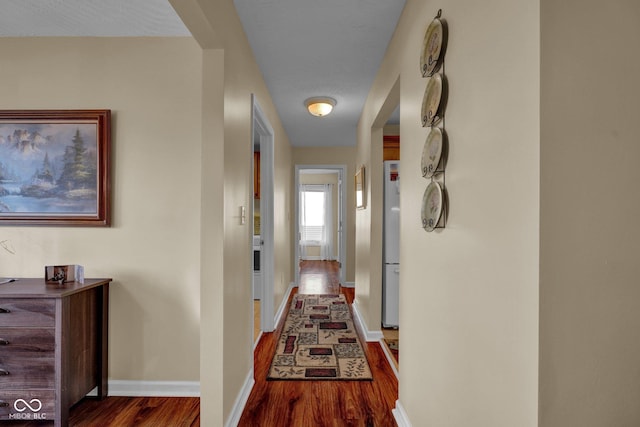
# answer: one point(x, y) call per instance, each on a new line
point(212, 249)
point(242, 79)
point(468, 292)
point(328, 156)
point(152, 249)
point(589, 237)
point(369, 298)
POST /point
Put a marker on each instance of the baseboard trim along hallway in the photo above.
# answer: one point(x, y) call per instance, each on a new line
point(389, 358)
point(241, 401)
point(400, 415)
point(362, 325)
point(283, 305)
point(130, 388)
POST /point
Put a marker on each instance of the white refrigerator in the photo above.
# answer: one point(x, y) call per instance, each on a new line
point(391, 245)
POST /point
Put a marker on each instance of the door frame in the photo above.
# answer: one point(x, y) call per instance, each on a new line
point(262, 127)
point(342, 217)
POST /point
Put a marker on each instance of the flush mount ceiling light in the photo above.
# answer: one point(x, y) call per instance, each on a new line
point(320, 105)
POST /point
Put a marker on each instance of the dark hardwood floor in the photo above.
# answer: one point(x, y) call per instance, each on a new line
point(321, 403)
point(137, 411)
point(271, 403)
point(319, 277)
point(130, 412)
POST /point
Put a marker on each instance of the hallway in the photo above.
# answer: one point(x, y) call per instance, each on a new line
point(320, 403)
point(319, 277)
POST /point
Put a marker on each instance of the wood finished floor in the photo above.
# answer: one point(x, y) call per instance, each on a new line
point(320, 403)
point(144, 411)
point(271, 403)
point(319, 277)
point(130, 412)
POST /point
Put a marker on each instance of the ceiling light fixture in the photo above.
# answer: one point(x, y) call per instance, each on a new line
point(320, 105)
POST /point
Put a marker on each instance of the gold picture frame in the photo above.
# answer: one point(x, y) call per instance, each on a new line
point(359, 186)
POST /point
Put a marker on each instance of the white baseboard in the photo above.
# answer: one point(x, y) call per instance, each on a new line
point(362, 326)
point(400, 415)
point(257, 340)
point(241, 401)
point(131, 388)
point(390, 359)
point(283, 305)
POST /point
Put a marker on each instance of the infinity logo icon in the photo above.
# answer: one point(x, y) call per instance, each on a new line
point(37, 405)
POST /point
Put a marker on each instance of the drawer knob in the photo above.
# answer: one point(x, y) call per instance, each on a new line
point(4, 310)
point(4, 342)
point(3, 372)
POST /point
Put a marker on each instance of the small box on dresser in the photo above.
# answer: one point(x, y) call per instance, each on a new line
point(64, 273)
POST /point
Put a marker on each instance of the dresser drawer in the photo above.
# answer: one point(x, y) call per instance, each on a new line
point(27, 312)
point(27, 405)
point(18, 373)
point(27, 342)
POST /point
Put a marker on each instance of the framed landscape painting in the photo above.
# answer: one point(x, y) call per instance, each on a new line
point(54, 167)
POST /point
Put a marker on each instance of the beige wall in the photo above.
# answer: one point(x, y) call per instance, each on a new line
point(468, 293)
point(333, 156)
point(176, 248)
point(227, 330)
point(589, 237)
point(152, 249)
point(212, 262)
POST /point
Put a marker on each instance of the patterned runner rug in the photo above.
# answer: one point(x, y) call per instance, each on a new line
point(319, 342)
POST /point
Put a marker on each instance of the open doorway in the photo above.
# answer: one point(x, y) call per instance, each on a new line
point(320, 216)
point(262, 245)
point(385, 126)
point(391, 237)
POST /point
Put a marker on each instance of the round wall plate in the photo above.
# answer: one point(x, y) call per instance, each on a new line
point(432, 152)
point(432, 202)
point(431, 101)
point(432, 52)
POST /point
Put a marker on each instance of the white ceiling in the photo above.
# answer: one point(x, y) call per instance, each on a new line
point(308, 48)
point(304, 48)
point(90, 18)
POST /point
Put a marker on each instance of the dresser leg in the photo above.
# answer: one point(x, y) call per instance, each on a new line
point(103, 353)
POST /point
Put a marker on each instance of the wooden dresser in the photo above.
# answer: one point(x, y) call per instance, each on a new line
point(53, 347)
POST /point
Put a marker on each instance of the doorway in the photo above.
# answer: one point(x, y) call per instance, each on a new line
point(391, 236)
point(262, 246)
point(320, 216)
point(386, 126)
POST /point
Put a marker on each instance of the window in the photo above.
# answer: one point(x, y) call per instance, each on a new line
point(312, 215)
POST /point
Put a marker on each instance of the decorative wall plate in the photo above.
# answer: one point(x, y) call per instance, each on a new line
point(432, 202)
point(431, 152)
point(432, 48)
point(431, 101)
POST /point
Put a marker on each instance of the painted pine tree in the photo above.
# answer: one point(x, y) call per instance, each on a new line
point(46, 173)
point(77, 171)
